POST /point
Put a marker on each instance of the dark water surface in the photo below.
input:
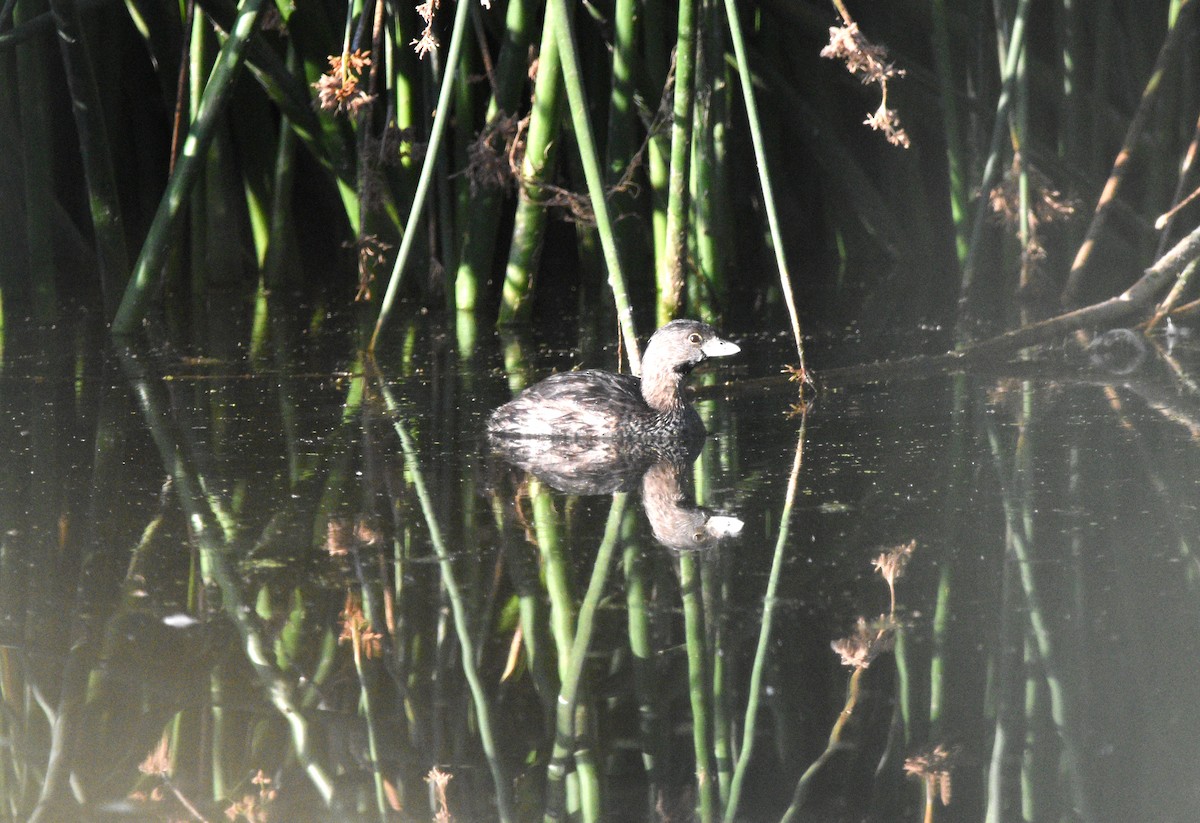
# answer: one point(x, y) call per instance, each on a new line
point(310, 583)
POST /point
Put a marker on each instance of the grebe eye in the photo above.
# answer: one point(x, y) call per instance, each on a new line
point(695, 337)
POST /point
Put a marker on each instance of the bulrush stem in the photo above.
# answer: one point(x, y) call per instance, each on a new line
point(440, 119)
point(159, 239)
point(573, 80)
point(671, 273)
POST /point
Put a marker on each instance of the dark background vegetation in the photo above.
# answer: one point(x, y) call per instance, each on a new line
point(303, 199)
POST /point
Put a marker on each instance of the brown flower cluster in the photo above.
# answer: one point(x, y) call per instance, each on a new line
point(253, 807)
point(338, 90)
point(868, 640)
point(427, 42)
point(371, 251)
point(439, 779)
point(890, 565)
point(365, 641)
point(934, 767)
point(870, 62)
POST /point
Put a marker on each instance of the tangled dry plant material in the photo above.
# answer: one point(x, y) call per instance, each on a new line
point(870, 63)
point(338, 89)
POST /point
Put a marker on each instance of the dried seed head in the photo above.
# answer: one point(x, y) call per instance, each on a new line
point(868, 640)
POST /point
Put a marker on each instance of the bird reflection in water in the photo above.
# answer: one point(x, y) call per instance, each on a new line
point(592, 466)
point(676, 522)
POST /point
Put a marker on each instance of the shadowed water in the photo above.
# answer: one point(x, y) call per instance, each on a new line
point(288, 587)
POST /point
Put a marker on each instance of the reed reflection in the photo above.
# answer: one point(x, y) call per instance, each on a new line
point(594, 467)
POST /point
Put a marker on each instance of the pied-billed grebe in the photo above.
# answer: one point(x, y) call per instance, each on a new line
point(599, 404)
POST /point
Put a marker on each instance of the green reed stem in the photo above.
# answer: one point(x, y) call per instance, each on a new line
point(1059, 709)
point(462, 14)
point(147, 270)
point(1020, 129)
point(217, 565)
point(620, 144)
point(557, 574)
point(764, 177)
point(714, 594)
point(693, 622)
point(577, 100)
point(673, 269)
point(104, 201)
point(278, 242)
point(462, 625)
point(948, 73)
point(701, 196)
point(537, 166)
point(369, 715)
point(1012, 54)
point(999, 683)
point(637, 589)
point(565, 731)
point(479, 244)
point(709, 193)
point(754, 690)
point(937, 664)
point(1035, 772)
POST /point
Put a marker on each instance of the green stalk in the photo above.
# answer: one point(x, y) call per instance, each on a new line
point(104, 201)
point(1000, 685)
point(620, 144)
point(147, 270)
point(541, 155)
point(947, 73)
point(754, 691)
point(1020, 135)
point(1034, 768)
point(524, 573)
point(479, 243)
point(252, 130)
point(637, 588)
point(287, 89)
point(693, 622)
point(657, 65)
point(557, 574)
point(937, 664)
point(710, 195)
point(281, 234)
point(462, 14)
point(217, 564)
point(197, 237)
point(1016, 45)
point(700, 199)
point(369, 715)
point(565, 731)
point(1060, 710)
point(595, 180)
point(764, 178)
point(461, 622)
point(672, 272)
